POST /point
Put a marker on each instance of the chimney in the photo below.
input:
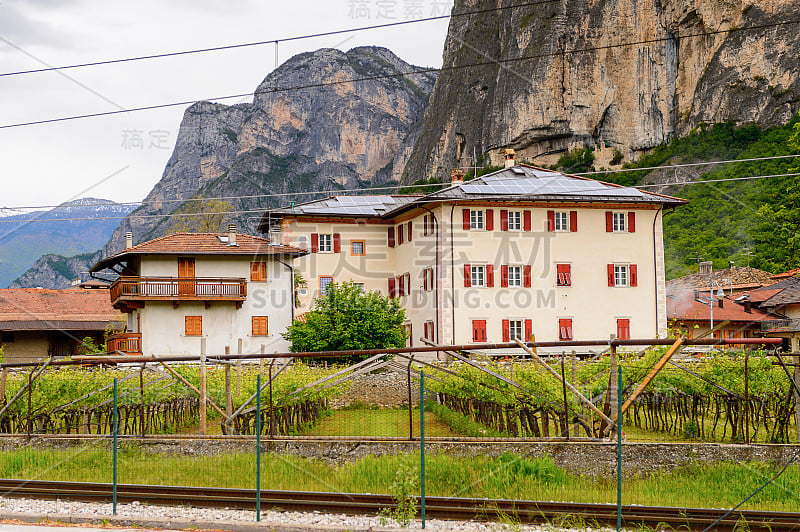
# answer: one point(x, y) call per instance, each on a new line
point(719, 302)
point(128, 240)
point(731, 264)
point(509, 156)
point(75, 282)
point(457, 176)
point(748, 306)
point(705, 267)
point(232, 235)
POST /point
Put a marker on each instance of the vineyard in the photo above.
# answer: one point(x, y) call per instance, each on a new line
point(74, 400)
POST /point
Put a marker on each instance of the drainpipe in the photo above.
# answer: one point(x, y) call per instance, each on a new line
point(655, 257)
point(437, 269)
point(291, 280)
point(452, 272)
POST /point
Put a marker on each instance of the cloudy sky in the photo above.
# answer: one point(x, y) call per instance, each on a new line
point(121, 157)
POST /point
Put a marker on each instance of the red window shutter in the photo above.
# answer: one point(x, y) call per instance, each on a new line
point(565, 329)
point(563, 273)
point(489, 220)
point(465, 212)
point(391, 287)
point(551, 220)
point(623, 329)
point(425, 281)
point(391, 237)
point(410, 229)
point(467, 276)
point(504, 220)
point(506, 334)
point(526, 220)
point(489, 275)
point(610, 275)
point(634, 281)
point(631, 222)
point(401, 281)
point(528, 330)
point(504, 276)
point(314, 242)
point(609, 222)
point(408, 283)
point(526, 276)
point(400, 235)
point(573, 221)
point(337, 243)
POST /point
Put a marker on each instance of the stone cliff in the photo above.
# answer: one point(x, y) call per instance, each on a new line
point(550, 77)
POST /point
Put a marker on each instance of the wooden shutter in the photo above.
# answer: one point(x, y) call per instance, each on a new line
point(609, 222)
point(260, 327)
point(623, 329)
point(391, 287)
point(489, 220)
point(573, 221)
point(504, 220)
point(631, 222)
point(504, 276)
point(610, 268)
point(391, 237)
point(193, 325)
point(465, 213)
point(314, 242)
point(258, 271)
point(634, 277)
point(402, 282)
point(401, 235)
point(528, 330)
point(506, 334)
point(526, 220)
point(563, 275)
point(408, 283)
point(489, 275)
point(410, 229)
point(478, 330)
point(551, 220)
point(565, 329)
point(467, 276)
point(337, 243)
point(526, 276)
point(425, 280)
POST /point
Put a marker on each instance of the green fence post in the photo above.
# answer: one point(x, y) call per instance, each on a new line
point(619, 447)
point(422, 443)
point(258, 447)
point(114, 453)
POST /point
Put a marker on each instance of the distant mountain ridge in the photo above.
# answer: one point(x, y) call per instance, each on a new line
point(74, 227)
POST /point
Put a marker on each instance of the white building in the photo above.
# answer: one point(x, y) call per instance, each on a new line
point(516, 252)
point(233, 290)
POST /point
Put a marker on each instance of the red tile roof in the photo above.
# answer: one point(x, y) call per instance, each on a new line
point(682, 305)
point(784, 275)
point(201, 244)
point(44, 309)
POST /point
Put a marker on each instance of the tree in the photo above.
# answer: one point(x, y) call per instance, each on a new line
point(200, 216)
point(348, 318)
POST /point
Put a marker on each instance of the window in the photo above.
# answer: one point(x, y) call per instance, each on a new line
point(623, 328)
point(476, 220)
point(565, 329)
point(515, 221)
point(478, 275)
point(392, 287)
point(618, 222)
point(620, 275)
point(258, 271)
point(260, 326)
point(324, 282)
point(563, 275)
point(325, 243)
point(409, 332)
point(428, 330)
point(401, 282)
point(561, 221)
point(401, 235)
point(478, 330)
point(357, 247)
point(427, 279)
point(194, 325)
point(515, 276)
point(427, 225)
point(513, 330)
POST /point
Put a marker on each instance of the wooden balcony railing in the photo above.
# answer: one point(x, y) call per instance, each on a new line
point(178, 289)
point(787, 325)
point(128, 343)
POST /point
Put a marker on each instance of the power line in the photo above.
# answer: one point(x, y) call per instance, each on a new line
point(394, 187)
point(688, 165)
point(419, 71)
point(276, 41)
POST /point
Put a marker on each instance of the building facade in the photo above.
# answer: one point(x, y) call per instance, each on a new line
point(519, 252)
point(230, 291)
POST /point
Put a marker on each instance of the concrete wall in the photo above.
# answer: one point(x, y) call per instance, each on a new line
point(28, 346)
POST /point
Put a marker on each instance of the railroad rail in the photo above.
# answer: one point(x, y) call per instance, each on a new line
point(436, 507)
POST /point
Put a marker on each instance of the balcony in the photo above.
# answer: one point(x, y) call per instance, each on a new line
point(788, 325)
point(131, 292)
point(127, 343)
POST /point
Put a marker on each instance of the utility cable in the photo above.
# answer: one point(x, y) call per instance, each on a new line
point(275, 90)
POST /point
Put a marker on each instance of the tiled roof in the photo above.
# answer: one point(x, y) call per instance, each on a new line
point(44, 309)
point(784, 292)
point(201, 244)
point(682, 305)
point(784, 275)
point(739, 277)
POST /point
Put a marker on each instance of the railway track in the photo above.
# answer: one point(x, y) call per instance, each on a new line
point(436, 507)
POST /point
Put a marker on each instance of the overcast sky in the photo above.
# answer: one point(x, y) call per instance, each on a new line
point(121, 157)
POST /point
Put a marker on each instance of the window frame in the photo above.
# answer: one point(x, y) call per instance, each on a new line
point(560, 217)
point(253, 328)
point(619, 222)
point(323, 291)
point(477, 271)
point(353, 248)
point(328, 238)
point(512, 325)
point(622, 272)
point(477, 220)
point(519, 222)
point(518, 284)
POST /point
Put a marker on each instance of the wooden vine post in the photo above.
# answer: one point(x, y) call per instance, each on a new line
point(795, 345)
point(228, 394)
point(203, 392)
point(239, 370)
point(141, 402)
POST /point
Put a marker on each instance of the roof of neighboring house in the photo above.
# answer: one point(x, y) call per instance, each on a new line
point(517, 183)
point(682, 305)
point(790, 273)
point(44, 309)
point(788, 292)
point(739, 277)
point(201, 244)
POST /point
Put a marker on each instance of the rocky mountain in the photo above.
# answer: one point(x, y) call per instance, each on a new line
point(330, 135)
point(78, 226)
point(565, 78)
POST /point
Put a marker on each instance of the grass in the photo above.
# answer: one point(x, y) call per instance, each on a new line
point(384, 422)
point(508, 476)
